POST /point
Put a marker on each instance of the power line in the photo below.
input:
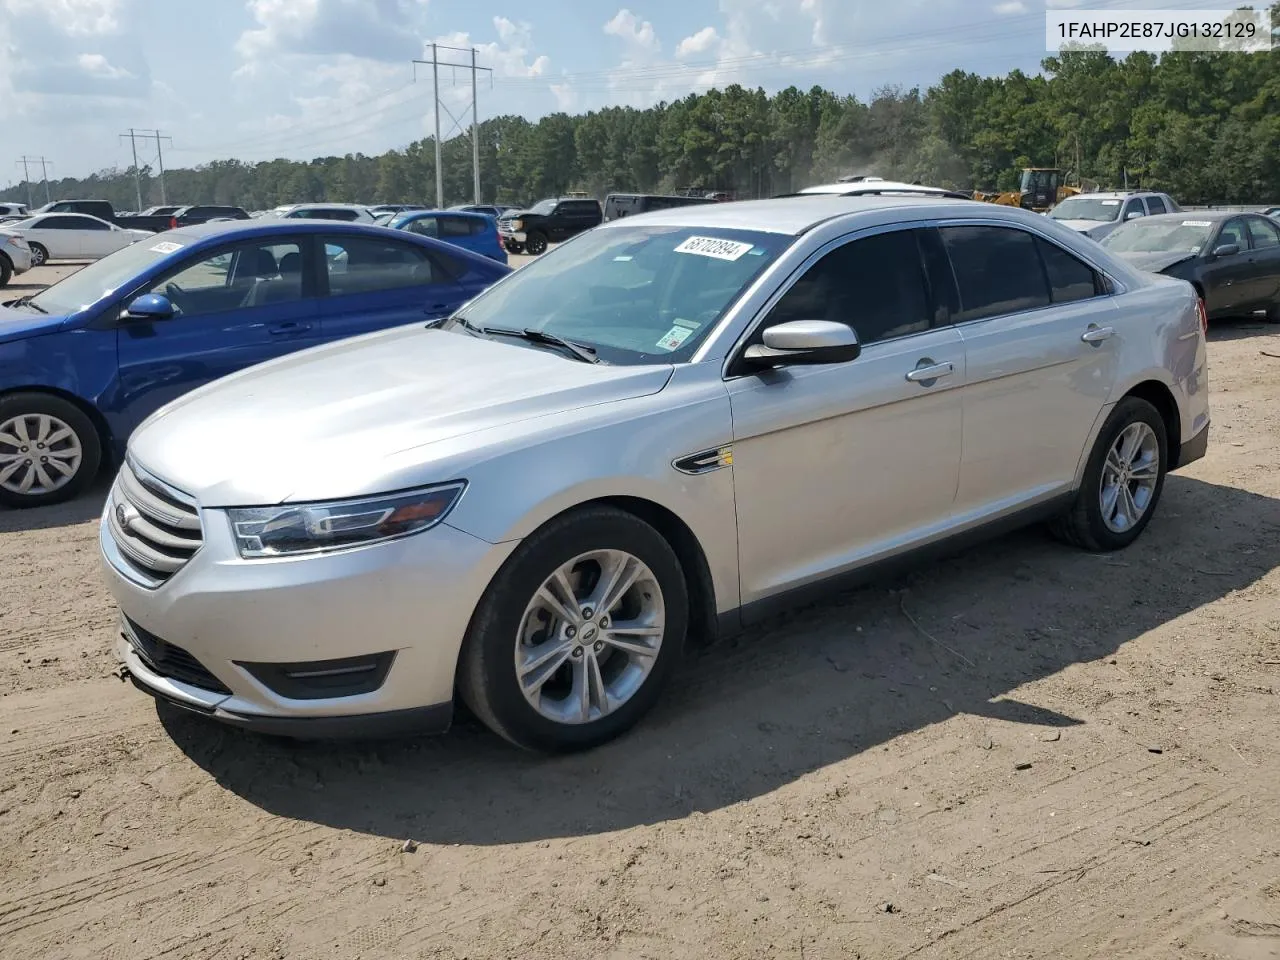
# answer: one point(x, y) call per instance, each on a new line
point(44, 175)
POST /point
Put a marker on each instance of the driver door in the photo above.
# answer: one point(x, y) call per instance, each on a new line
point(235, 307)
point(837, 465)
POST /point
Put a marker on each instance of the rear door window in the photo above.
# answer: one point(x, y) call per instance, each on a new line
point(1263, 233)
point(1069, 277)
point(997, 270)
point(358, 265)
point(1155, 205)
point(455, 227)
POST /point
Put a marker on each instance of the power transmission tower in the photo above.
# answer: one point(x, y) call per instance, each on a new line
point(436, 63)
point(44, 175)
point(137, 174)
point(158, 136)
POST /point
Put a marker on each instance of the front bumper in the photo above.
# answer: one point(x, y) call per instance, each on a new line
point(519, 236)
point(411, 598)
point(20, 257)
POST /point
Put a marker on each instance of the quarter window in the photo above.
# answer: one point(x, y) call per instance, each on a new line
point(362, 265)
point(1069, 279)
point(997, 270)
point(1264, 234)
point(875, 285)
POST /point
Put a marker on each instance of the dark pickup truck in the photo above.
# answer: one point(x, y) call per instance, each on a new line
point(104, 211)
point(180, 216)
point(551, 221)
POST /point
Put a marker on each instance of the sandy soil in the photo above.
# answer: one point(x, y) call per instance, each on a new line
point(1026, 751)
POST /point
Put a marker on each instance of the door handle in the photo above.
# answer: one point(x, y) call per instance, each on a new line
point(288, 327)
point(1097, 334)
point(931, 372)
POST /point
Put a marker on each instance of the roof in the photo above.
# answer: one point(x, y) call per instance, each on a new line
point(792, 215)
point(326, 206)
point(1212, 216)
point(405, 215)
point(872, 185)
point(1114, 194)
point(267, 226)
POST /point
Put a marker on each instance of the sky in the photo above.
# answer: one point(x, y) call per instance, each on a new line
point(260, 79)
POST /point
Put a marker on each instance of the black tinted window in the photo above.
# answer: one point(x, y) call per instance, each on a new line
point(1155, 205)
point(362, 265)
point(580, 207)
point(874, 285)
point(997, 270)
point(455, 227)
point(1069, 278)
point(478, 226)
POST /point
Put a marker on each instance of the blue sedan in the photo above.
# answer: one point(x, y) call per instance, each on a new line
point(471, 231)
point(85, 361)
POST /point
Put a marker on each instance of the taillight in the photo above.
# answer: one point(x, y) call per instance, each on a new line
point(1204, 316)
point(173, 223)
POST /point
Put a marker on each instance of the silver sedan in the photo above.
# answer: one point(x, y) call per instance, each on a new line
point(666, 428)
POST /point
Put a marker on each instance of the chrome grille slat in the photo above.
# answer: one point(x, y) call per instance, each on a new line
point(153, 531)
point(150, 503)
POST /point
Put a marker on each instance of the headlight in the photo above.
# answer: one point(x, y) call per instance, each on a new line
point(517, 224)
point(292, 529)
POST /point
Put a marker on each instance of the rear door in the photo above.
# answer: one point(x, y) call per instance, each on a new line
point(1035, 386)
point(1264, 286)
point(238, 305)
point(373, 283)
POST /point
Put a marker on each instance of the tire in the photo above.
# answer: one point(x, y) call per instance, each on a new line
point(536, 243)
point(513, 247)
point(6, 270)
point(39, 255)
point(1086, 524)
point(487, 672)
point(36, 412)
point(1273, 312)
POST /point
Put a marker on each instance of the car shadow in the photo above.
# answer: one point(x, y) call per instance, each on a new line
point(87, 506)
point(755, 713)
point(1240, 328)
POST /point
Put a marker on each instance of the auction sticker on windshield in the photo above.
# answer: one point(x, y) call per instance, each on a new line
point(1197, 223)
point(677, 335)
point(1111, 203)
point(166, 246)
point(712, 247)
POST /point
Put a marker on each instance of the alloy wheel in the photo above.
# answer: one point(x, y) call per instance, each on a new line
point(39, 454)
point(590, 636)
point(1129, 477)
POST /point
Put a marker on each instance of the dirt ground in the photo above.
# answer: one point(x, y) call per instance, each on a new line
point(1027, 751)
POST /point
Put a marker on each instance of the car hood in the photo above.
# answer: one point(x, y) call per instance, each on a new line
point(1084, 226)
point(1154, 262)
point(19, 324)
point(325, 423)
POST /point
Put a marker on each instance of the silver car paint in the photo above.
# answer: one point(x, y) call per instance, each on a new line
point(832, 467)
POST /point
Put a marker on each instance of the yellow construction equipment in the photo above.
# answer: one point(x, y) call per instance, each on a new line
point(1040, 189)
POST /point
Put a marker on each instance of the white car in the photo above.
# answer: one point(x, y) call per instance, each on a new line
point(7, 208)
point(15, 256)
point(1097, 214)
point(350, 212)
point(72, 236)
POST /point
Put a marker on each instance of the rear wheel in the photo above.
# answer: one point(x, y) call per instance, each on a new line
point(49, 450)
point(536, 243)
point(39, 255)
point(575, 638)
point(1122, 480)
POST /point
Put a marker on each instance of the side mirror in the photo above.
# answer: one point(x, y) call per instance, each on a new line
point(150, 307)
point(1133, 215)
point(804, 342)
point(1226, 250)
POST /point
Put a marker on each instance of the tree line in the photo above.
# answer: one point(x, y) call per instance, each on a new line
point(1204, 127)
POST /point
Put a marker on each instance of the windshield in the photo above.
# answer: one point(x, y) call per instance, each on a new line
point(1159, 236)
point(644, 294)
point(544, 207)
point(1086, 208)
point(101, 278)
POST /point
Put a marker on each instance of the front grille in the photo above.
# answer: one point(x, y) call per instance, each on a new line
point(171, 661)
point(155, 531)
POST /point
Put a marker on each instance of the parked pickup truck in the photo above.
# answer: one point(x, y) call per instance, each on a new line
point(103, 210)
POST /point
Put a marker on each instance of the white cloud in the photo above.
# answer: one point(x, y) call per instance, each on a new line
point(700, 42)
point(637, 34)
point(1010, 8)
point(385, 30)
point(73, 17)
point(100, 68)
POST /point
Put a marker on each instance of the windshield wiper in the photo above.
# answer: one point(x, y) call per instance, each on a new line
point(580, 351)
point(28, 302)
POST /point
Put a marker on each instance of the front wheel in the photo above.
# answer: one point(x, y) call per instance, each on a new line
point(1122, 480)
point(49, 450)
point(536, 243)
point(576, 636)
point(513, 247)
point(39, 255)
